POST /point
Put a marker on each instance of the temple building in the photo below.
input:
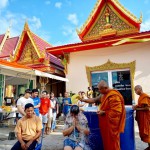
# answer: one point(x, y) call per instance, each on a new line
point(28, 50)
point(112, 49)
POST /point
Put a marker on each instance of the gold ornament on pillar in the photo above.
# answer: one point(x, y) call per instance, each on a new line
point(43, 81)
point(65, 59)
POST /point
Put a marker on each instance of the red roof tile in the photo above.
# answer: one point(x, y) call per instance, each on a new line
point(1, 38)
point(9, 47)
point(42, 45)
point(93, 44)
point(55, 60)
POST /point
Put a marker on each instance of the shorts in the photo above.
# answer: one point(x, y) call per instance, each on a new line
point(71, 143)
point(49, 122)
point(43, 118)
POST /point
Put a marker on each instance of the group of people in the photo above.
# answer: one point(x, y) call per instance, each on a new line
point(45, 107)
point(111, 113)
point(35, 113)
point(112, 118)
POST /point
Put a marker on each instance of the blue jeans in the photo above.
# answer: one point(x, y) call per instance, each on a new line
point(54, 121)
point(17, 146)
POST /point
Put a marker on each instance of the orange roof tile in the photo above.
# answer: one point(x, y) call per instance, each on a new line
point(13, 64)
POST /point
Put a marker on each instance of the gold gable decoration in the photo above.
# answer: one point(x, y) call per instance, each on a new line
point(29, 55)
point(109, 23)
point(32, 54)
point(113, 66)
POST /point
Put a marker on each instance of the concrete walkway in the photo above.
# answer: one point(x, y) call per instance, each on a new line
point(54, 141)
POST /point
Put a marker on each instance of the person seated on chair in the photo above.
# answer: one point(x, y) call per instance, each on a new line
point(76, 130)
point(28, 130)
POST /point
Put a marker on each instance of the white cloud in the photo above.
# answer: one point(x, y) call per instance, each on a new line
point(3, 3)
point(44, 35)
point(73, 18)
point(71, 35)
point(17, 22)
point(58, 4)
point(35, 23)
point(47, 2)
point(67, 30)
point(74, 38)
point(145, 26)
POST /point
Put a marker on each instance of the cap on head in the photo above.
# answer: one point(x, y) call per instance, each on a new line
point(74, 109)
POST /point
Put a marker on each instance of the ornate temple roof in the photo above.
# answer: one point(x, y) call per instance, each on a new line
point(28, 70)
point(31, 51)
point(7, 44)
point(100, 43)
point(109, 24)
point(109, 18)
point(8, 47)
point(42, 45)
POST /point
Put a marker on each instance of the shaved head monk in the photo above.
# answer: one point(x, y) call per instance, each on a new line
point(143, 115)
point(111, 115)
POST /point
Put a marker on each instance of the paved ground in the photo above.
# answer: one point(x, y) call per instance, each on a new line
point(54, 141)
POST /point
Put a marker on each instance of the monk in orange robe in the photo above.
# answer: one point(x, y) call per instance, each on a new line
point(111, 116)
point(143, 115)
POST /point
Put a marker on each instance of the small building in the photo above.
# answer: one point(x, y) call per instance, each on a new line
point(16, 78)
point(30, 50)
point(112, 49)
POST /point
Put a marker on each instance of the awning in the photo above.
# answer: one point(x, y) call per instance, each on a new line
point(27, 70)
point(44, 74)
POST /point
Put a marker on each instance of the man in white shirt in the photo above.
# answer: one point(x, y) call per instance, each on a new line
point(23, 101)
point(82, 105)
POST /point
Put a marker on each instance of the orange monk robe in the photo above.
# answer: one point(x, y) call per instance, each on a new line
point(143, 118)
point(113, 122)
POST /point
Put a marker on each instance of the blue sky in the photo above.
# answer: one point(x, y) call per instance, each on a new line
point(56, 20)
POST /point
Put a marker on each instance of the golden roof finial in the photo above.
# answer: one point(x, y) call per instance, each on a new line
point(8, 30)
point(141, 18)
point(26, 26)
